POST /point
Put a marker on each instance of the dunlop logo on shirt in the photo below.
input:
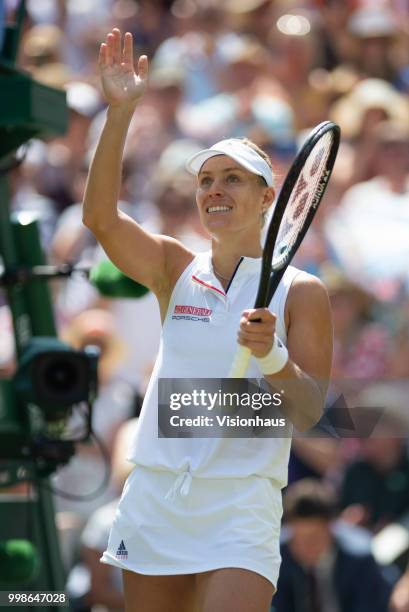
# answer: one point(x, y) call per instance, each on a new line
point(191, 313)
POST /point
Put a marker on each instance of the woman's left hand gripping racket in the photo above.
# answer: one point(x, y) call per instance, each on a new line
point(297, 203)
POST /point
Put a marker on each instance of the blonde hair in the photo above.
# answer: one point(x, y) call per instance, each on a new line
point(262, 180)
point(261, 152)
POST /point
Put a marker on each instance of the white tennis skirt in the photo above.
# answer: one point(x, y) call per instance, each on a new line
point(169, 523)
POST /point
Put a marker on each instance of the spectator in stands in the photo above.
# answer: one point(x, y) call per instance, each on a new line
point(375, 486)
point(359, 112)
point(361, 342)
point(369, 229)
point(322, 558)
point(42, 44)
point(376, 31)
point(251, 17)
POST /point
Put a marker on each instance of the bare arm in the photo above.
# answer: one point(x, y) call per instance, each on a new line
point(310, 345)
point(304, 379)
point(155, 261)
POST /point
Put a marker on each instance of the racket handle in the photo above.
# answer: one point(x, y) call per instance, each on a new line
point(240, 362)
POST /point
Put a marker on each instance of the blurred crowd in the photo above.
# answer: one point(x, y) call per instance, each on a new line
point(269, 70)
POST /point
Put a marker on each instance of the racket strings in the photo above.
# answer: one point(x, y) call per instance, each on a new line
point(306, 194)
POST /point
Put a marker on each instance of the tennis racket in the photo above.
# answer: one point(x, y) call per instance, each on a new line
point(297, 203)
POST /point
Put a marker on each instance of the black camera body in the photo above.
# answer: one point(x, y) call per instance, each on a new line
point(54, 389)
point(54, 376)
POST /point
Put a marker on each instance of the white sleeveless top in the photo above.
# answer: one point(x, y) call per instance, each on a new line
point(199, 340)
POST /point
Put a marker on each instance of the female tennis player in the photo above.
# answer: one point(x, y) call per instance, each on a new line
point(197, 527)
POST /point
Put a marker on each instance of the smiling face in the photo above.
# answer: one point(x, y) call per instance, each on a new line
point(231, 199)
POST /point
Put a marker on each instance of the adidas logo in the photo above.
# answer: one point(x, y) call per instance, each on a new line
point(122, 553)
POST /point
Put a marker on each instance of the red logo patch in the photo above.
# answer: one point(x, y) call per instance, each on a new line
point(193, 310)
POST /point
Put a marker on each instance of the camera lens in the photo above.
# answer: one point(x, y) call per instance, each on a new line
point(61, 376)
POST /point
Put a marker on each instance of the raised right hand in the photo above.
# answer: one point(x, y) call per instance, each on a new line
point(122, 86)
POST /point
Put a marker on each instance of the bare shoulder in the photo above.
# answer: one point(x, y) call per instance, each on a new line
point(306, 291)
point(177, 258)
point(309, 331)
point(307, 303)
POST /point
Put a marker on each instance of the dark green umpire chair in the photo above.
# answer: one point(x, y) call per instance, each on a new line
point(51, 379)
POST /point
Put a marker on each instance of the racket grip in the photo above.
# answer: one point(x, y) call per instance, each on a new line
point(240, 362)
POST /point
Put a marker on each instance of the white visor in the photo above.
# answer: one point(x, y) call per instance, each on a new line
point(237, 150)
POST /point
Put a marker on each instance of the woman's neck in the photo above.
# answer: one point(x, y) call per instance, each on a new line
point(225, 256)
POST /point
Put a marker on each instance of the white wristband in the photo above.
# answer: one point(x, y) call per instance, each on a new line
point(276, 359)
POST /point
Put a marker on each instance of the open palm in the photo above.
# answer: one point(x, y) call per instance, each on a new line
point(122, 86)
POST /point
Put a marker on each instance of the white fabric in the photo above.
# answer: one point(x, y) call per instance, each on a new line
point(96, 533)
point(237, 150)
point(181, 485)
point(192, 347)
point(221, 523)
